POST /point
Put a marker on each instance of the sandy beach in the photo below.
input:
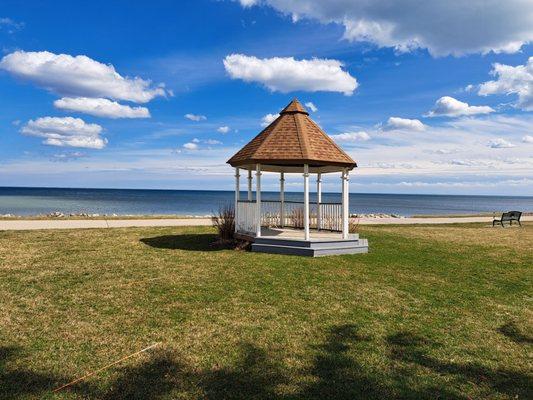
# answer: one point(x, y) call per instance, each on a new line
point(28, 224)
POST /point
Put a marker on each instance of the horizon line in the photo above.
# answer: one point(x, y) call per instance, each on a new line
point(263, 191)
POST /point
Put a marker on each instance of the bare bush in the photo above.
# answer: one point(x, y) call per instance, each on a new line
point(224, 222)
point(297, 218)
point(353, 225)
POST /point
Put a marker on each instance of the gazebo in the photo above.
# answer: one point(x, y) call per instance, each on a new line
point(294, 143)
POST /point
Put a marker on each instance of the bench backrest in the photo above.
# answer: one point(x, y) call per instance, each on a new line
point(511, 215)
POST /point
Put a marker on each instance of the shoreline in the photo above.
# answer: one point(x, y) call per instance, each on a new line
point(44, 224)
point(56, 216)
point(96, 217)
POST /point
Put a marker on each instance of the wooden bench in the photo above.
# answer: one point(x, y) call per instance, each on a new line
point(508, 217)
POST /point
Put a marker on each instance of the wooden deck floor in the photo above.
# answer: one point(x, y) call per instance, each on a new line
point(298, 234)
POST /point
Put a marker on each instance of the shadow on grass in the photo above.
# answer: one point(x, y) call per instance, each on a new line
point(339, 369)
point(17, 382)
point(152, 379)
point(195, 242)
point(409, 348)
point(338, 375)
point(513, 332)
point(163, 375)
point(339, 372)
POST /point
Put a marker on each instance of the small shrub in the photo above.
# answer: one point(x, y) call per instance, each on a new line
point(297, 218)
point(329, 223)
point(224, 222)
point(353, 225)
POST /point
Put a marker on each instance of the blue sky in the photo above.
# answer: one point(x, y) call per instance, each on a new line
point(427, 100)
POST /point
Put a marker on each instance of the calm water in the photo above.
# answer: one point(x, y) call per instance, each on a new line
point(33, 201)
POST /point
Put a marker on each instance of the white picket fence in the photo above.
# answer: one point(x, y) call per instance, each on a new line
point(331, 217)
point(288, 214)
point(246, 220)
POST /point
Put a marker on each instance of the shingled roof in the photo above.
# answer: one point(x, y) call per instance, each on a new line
point(292, 139)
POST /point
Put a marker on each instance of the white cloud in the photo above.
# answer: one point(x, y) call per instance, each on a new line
point(194, 144)
point(471, 163)
point(194, 117)
point(78, 76)
point(463, 162)
point(68, 156)
point(442, 27)
point(268, 119)
point(497, 125)
point(512, 80)
point(444, 151)
point(455, 149)
point(311, 106)
point(396, 123)
point(10, 24)
point(248, 3)
point(190, 146)
point(500, 143)
point(65, 132)
point(285, 74)
point(351, 137)
point(469, 184)
point(527, 139)
point(450, 107)
point(100, 107)
point(223, 129)
point(389, 160)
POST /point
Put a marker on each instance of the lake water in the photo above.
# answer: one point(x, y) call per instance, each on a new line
point(34, 201)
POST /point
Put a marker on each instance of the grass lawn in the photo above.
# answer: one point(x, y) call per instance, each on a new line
point(431, 312)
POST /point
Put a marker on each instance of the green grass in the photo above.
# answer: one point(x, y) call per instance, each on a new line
point(431, 312)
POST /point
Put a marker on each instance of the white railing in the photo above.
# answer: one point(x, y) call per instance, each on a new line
point(246, 219)
point(330, 217)
point(271, 213)
point(294, 214)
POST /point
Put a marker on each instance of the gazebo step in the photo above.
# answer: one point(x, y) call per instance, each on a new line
point(312, 244)
point(360, 246)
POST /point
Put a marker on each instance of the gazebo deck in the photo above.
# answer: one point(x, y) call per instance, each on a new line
point(291, 241)
point(298, 234)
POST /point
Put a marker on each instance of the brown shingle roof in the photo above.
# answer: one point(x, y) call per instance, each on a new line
point(292, 139)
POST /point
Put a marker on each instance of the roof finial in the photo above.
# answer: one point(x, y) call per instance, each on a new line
point(294, 107)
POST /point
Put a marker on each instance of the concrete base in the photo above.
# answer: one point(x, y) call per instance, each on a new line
point(310, 248)
point(290, 241)
point(295, 249)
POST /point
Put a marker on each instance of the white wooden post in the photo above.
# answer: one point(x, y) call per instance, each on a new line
point(249, 185)
point(345, 204)
point(258, 198)
point(237, 193)
point(306, 202)
point(282, 199)
point(318, 200)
